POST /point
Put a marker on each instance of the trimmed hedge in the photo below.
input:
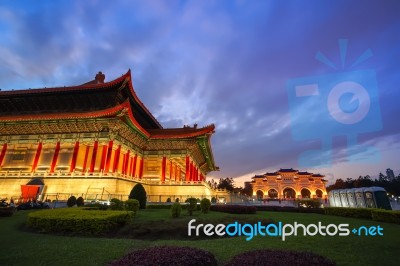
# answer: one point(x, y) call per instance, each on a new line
point(271, 257)
point(362, 213)
point(386, 216)
point(290, 209)
point(77, 221)
point(165, 255)
point(235, 209)
point(7, 211)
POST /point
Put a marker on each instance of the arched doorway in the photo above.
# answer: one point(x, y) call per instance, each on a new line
point(289, 193)
point(319, 193)
point(260, 194)
point(305, 193)
point(272, 193)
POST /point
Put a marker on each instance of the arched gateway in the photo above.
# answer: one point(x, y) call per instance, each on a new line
point(290, 184)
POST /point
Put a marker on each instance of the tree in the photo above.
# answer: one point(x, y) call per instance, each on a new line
point(226, 183)
point(205, 205)
point(139, 193)
point(191, 205)
point(247, 190)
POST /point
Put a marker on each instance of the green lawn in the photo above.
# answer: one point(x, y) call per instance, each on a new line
point(23, 248)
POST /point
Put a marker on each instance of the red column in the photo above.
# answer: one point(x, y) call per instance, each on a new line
point(55, 157)
point(116, 159)
point(179, 174)
point(109, 153)
point(85, 159)
point(3, 153)
point(170, 170)
point(191, 171)
point(103, 158)
point(37, 156)
point(94, 154)
point(126, 160)
point(134, 166)
point(163, 165)
point(141, 168)
point(130, 166)
point(187, 174)
point(123, 164)
point(175, 171)
point(74, 156)
point(201, 177)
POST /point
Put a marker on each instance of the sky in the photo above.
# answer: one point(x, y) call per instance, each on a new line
point(277, 78)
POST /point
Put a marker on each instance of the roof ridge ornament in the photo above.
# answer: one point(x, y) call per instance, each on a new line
point(100, 77)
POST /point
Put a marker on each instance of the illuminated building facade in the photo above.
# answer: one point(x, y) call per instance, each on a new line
point(97, 139)
point(288, 184)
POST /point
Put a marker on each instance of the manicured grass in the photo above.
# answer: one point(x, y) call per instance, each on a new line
point(24, 248)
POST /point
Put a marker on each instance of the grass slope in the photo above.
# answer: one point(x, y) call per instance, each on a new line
point(24, 248)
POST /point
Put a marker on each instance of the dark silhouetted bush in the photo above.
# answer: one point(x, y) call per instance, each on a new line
point(71, 201)
point(169, 200)
point(205, 205)
point(164, 255)
point(139, 193)
point(80, 202)
point(270, 257)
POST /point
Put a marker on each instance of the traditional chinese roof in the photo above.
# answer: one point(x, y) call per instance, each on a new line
point(283, 170)
point(96, 99)
point(272, 174)
point(304, 173)
point(90, 97)
point(184, 132)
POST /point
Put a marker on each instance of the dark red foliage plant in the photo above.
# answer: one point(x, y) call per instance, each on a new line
point(271, 257)
point(166, 256)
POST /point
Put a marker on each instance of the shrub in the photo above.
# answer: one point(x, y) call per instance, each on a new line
point(132, 205)
point(166, 255)
point(162, 206)
point(177, 200)
point(386, 216)
point(349, 212)
point(80, 202)
point(270, 257)
point(169, 200)
point(191, 205)
point(77, 221)
point(235, 209)
point(313, 203)
point(176, 210)
point(139, 193)
point(116, 204)
point(71, 201)
point(205, 205)
point(7, 211)
point(213, 200)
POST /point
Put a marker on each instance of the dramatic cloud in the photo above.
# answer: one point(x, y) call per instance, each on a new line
point(222, 62)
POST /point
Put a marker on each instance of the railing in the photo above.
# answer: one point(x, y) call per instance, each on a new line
point(66, 174)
